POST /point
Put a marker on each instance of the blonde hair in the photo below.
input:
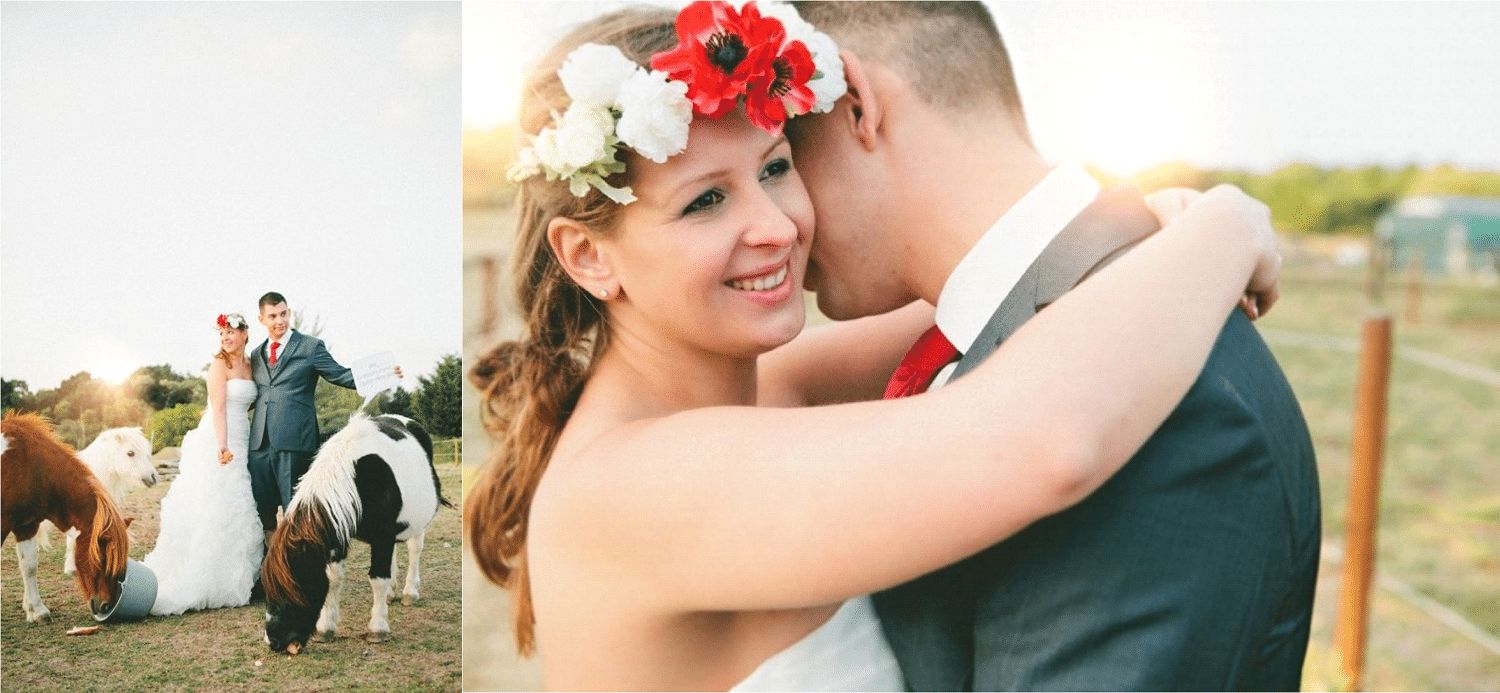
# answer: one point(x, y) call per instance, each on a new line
point(529, 387)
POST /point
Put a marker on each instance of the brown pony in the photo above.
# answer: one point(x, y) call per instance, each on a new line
point(41, 478)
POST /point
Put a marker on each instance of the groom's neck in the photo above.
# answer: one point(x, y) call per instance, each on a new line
point(985, 173)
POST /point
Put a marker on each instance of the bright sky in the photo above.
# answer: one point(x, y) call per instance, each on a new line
point(1126, 85)
point(166, 162)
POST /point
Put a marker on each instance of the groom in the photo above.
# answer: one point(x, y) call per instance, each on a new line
point(284, 430)
point(1194, 567)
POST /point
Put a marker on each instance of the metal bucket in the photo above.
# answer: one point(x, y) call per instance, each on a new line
point(137, 595)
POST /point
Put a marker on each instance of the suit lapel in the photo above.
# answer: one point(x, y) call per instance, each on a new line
point(259, 370)
point(1112, 224)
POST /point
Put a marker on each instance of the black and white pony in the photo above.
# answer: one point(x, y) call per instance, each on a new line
point(373, 481)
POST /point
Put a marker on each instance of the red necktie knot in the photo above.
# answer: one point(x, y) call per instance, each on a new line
point(273, 352)
point(922, 363)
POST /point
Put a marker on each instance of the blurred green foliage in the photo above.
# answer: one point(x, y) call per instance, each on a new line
point(1309, 199)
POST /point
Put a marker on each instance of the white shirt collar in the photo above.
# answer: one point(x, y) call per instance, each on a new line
point(285, 337)
point(986, 275)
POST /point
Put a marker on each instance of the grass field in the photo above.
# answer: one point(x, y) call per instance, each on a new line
point(222, 649)
point(1439, 530)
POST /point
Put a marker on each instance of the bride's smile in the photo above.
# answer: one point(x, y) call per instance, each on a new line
point(717, 245)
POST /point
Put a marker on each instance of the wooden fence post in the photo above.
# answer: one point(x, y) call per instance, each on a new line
point(1370, 406)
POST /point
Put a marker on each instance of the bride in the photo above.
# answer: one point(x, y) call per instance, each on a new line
point(208, 552)
point(660, 531)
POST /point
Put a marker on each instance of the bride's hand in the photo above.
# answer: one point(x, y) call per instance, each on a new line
point(225, 456)
point(1264, 288)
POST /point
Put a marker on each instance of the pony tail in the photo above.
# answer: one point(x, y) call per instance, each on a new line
point(528, 390)
point(529, 387)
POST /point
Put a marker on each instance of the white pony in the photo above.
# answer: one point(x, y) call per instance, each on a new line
point(121, 459)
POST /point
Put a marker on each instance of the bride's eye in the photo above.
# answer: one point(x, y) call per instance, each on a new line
point(775, 169)
point(704, 201)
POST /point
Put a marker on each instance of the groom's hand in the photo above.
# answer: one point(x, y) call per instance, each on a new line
point(398, 372)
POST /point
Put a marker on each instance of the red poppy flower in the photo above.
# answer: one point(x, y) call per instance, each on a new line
point(719, 51)
point(223, 321)
point(781, 91)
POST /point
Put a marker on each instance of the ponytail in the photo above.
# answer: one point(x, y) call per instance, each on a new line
point(529, 387)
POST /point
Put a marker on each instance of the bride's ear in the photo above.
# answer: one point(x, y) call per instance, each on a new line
point(581, 255)
point(865, 110)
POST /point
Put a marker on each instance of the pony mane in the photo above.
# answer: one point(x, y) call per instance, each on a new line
point(313, 528)
point(323, 512)
point(329, 481)
point(107, 521)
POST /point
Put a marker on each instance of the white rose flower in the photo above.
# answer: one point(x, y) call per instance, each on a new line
point(654, 115)
point(525, 166)
point(829, 85)
point(797, 28)
point(583, 136)
point(548, 155)
point(592, 74)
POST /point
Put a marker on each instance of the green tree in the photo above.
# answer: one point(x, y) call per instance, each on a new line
point(14, 394)
point(334, 405)
point(438, 405)
point(160, 387)
point(397, 401)
point(168, 426)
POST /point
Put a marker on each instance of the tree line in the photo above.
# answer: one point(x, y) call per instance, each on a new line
point(1309, 199)
point(167, 404)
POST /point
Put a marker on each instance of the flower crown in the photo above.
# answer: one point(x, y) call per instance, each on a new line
point(234, 320)
point(766, 55)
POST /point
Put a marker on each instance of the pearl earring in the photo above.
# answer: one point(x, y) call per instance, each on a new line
point(604, 293)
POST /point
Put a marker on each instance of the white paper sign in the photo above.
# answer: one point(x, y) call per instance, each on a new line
point(375, 374)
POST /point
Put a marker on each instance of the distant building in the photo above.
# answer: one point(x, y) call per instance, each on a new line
point(1447, 234)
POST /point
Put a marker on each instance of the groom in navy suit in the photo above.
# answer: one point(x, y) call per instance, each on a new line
point(1194, 567)
point(284, 430)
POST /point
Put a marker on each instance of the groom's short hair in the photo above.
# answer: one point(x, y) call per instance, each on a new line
point(270, 299)
point(949, 52)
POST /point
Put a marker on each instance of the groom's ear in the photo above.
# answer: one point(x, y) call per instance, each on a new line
point(865, 110)
point(579, 252)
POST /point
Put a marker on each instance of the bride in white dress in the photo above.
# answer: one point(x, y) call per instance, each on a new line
point(209, 549)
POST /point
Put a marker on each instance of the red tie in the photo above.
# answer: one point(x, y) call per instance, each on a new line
point(273, 352)
point(922, 363)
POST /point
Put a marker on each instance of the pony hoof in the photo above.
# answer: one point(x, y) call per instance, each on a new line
point(408, 599)
point(42, 619)
point(324, 636)
point(373, 637)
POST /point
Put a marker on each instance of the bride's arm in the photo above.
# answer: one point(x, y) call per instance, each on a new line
point(752, 508)
point(851, 361)
point(218, 379)
point(847, 361)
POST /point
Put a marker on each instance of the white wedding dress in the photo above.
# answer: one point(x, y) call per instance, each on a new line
point(208, 552)
point(847, 653)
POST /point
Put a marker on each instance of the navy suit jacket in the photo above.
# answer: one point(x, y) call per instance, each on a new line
point(284, 410)
point(1193, 568)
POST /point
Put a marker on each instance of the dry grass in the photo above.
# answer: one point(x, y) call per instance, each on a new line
point(1439, 528)
point(222, 649)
